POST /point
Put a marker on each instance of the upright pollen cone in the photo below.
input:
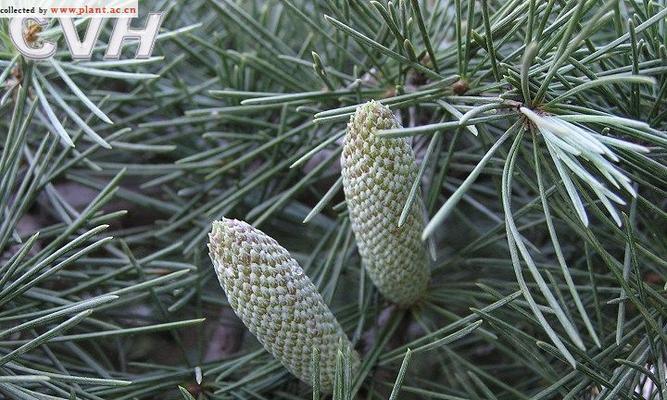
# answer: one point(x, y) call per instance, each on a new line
point(377, 177)
point(275, 299)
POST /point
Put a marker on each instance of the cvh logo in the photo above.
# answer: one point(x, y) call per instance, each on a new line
point(82, 49)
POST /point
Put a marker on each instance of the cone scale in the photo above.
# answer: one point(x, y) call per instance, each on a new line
point(377, 177)
point(271, 294)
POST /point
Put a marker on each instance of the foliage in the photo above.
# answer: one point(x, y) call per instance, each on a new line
point(539, 129)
